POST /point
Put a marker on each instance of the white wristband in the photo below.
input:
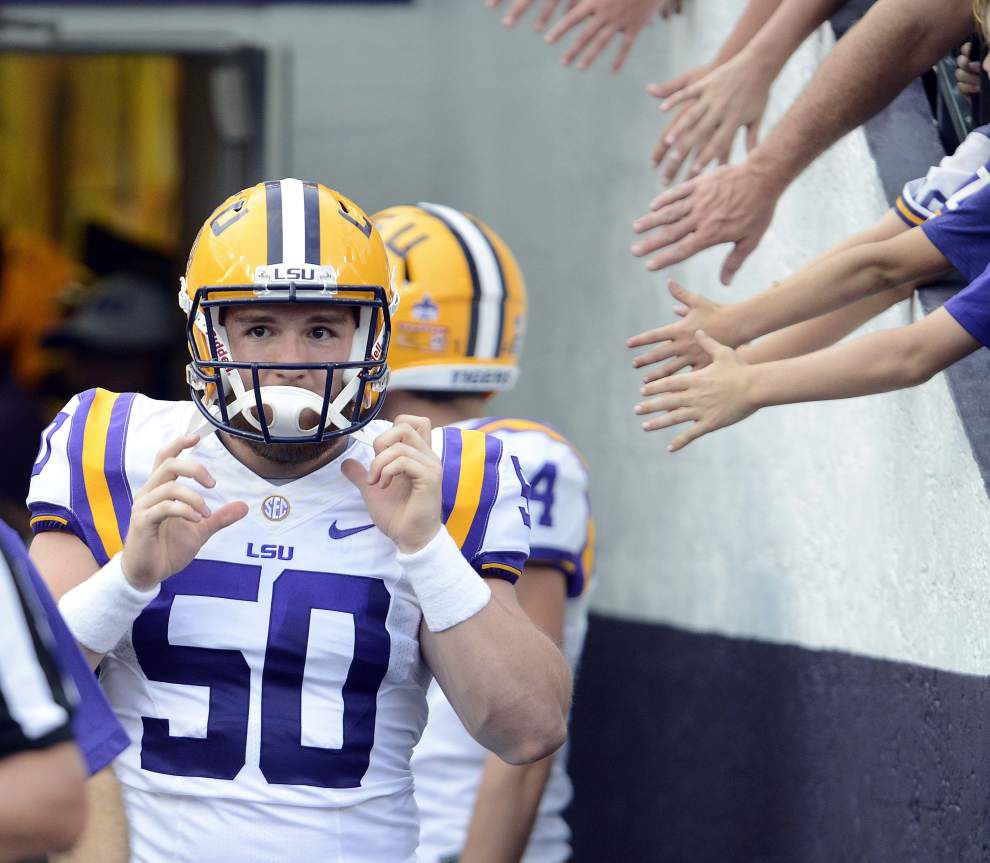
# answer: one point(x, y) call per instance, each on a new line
point(100, 610)
point(447, 587)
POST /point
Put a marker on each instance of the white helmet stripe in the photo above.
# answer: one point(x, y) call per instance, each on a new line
point(293, 223)
point(492, 288)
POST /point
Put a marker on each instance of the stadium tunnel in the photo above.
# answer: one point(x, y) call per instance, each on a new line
point(788, 656)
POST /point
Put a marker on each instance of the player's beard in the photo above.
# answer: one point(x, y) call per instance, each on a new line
point(286, 453)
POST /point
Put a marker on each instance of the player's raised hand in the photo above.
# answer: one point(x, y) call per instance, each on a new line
point(676, 345)
point(710, 399)
point(402, 485)
point(170, 522)
point(603, 20)
point(714, 107)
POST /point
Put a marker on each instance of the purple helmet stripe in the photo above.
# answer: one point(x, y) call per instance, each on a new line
point(489, 491)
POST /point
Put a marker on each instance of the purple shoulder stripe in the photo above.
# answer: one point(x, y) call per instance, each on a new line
point(49, 516)
point(451, 458)
point(500, 564)
point(113, 462)
point(489, 493)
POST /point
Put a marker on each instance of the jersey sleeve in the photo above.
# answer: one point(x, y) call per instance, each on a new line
point(78, 482)
point(563, 530)
point(484, 503)
point(35, 700)
point(971, 308)
point(926, 196)
point(961, 231)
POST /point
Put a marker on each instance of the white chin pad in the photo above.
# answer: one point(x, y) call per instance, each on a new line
point(286, 406)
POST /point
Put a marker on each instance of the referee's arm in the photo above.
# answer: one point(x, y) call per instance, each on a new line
point(42, 798)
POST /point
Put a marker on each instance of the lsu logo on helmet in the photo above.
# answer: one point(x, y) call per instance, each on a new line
point(460, 326)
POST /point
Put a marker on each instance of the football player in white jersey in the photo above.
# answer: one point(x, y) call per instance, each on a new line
point(456, 341)
point(270, 601)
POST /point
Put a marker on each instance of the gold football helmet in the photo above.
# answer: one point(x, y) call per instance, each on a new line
point(463, 314)
point(287, 241)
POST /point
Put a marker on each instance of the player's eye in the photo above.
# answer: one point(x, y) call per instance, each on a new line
point(323, 333)
point(258, 331)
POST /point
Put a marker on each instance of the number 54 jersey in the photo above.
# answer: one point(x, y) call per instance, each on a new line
point(274, 689)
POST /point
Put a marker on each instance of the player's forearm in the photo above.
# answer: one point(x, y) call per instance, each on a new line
point(757, 13)
point(821, 332)
point(505, 810)
point(507, 681)
point(788, 26)
point(857, 79)
point(876, 363)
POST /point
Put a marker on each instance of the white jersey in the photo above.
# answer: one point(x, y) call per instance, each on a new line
point(448, 762)
point(947, 183)
point(275, 686)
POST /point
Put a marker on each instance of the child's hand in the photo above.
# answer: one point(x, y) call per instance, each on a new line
point(711, 399)
point(967, 71)
point(676, 342)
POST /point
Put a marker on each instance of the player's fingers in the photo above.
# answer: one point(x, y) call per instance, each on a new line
point(574, 16)
point(670, 215)
point(598, 44)
point(693, 134)
point(356, 472)
point(668, 369)
point(171, 509)
point(225, 516)
point(752, 138)
point(399, 450)
point(403, 466)
point(677, 137)
point(667, 385)
point(172, 468)
point(174, 491)
point(421, 425)
point(405, 433)
point(173, 448)
point(585, 37)
point(674, 254)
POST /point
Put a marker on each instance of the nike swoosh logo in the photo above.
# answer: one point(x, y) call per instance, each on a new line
point(336, 533)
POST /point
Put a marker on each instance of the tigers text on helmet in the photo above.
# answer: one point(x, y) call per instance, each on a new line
point(281, 242)
point(463, 314)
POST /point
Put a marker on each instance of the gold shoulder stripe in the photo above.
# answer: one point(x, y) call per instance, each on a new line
point(504, 566)
point(907, 214)
point(469, 482)
point(56, 518)
point(94, 476)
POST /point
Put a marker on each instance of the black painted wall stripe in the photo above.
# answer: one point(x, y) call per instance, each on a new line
point(311, 222)
point(273, 209)
point(699, 748)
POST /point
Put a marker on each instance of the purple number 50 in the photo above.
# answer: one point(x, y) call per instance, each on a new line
point(284, 759)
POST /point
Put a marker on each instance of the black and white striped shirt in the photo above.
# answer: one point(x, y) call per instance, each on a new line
point(35, 700)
